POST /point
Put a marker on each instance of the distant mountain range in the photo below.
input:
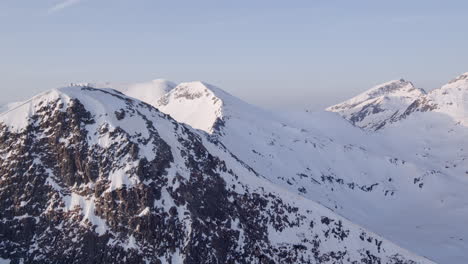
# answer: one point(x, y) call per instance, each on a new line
point(395, 100)
point(163, 173)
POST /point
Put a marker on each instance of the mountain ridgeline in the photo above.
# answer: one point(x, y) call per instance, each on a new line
point(192, 174)
point(390, 102)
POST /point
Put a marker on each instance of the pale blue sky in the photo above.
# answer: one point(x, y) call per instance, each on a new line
point(295, 54)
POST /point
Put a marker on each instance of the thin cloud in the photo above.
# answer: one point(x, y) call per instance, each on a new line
point(62, 5)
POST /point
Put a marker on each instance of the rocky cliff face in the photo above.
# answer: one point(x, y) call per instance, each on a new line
point(92, 176)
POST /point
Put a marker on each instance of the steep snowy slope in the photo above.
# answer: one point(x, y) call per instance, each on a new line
point(371, 179)
point(93, 176)
point(380, 105)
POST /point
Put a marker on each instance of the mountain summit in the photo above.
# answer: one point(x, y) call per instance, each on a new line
point(396, 100)
point(452, 99)
point(380, 105)
point(202, 106)
point(195, 103)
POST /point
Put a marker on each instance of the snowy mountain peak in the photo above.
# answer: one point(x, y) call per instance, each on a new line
point(394, 88)
point(201, 105)
point(194, 86)
point(396, 100)
point(381, 104)
point(457, 86)
point(451, 99)
point(199, 88)
point(101, 100)
point(462, 77)
point(194, 90)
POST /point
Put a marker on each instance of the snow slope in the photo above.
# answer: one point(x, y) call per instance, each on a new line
point(400, 184)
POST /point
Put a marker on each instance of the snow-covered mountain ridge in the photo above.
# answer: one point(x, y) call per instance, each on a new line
point(417, 161)
point(227, 169)
point(452, 99)
point(92, 176)
point(382, 104)
point(391, 102)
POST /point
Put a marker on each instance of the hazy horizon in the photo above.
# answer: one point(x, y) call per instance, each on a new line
point(269, 53)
